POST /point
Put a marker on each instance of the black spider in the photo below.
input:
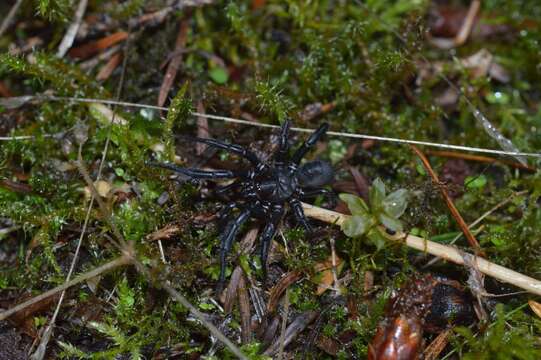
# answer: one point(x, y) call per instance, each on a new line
point(265, 188)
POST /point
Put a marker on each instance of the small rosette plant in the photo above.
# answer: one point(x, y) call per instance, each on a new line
point(384, 210)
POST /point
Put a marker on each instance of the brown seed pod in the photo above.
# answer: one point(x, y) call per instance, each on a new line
point(425, 303)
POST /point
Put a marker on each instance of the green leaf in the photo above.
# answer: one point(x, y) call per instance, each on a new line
point(377, 193)
point(219, 75)
point(475, 182)
point(245, 264)
point(390, 223)
point(395, 203)
point(356, 225)
point(377, 238)
point(207, 306)
point(356, 205)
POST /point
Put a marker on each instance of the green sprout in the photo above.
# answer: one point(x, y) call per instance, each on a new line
point(384, 209)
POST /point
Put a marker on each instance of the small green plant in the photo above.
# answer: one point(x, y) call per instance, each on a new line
point(385, 209)
point(501, 341)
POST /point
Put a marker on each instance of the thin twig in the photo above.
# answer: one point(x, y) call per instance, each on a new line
point(174, 63)
point(466, 27)
point(123, 260)
point(450, 204)
point(284, 326)
point(9, 18)
point(28, 98)
point(449, 253)
point(479, 158)
point(333, 269)
point(479, 219)
point(67, 40)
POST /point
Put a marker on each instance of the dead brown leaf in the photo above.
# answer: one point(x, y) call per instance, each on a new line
point(109, 67)
point(164, 233)
point(535, 306)
point(94, 47)
point(325, 277)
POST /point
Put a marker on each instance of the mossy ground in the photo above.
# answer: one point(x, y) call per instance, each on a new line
point(266, 63)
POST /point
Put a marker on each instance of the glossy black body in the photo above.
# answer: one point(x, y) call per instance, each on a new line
point(264, 190)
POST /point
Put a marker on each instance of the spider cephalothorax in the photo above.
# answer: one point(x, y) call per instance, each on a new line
point(263, 190)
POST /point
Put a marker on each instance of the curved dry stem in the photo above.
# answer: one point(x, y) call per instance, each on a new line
point(446, 252)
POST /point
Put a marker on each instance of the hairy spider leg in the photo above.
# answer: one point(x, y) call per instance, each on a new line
point(226, 241)
point(309, 143)
point(268, 234)
point(233, 148)
point(280, 157)
point(308, 194)
point(299, 214)
point(200, 174)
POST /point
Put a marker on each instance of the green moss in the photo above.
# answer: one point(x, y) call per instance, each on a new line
point(266, 64)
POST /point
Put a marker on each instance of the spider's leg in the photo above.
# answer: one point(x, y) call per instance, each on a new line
point(222, 190)
point(226, 241)
point(311, 141)
point(199, 174)
point(299, 214)
point(224, 212)
point(268, 234)
point(283, 148)
point(233, 148)
point(315, 192)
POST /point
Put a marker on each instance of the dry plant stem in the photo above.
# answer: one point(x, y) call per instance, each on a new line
point(244, 310)
point(454, 211)
point(284, 326)
point(449, 253)
point(479, 158)
point(121, 261)
point(434, 349)
point(67, 40)
point(174, 64)
point(466, 27)
point(9, 18)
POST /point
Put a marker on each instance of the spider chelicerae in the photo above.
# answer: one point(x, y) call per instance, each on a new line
point(263, 190)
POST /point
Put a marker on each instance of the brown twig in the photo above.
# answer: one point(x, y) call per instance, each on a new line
point(278, 289)
point(437, 345)
point(94, 47)
point(454, 211)
point(479, 158)
point(284, 326)
point(174, 64)
point(244, 310)
point(109, 67)
point(481, 218)
point(295, 328)
point(449, 253)
point(202, 129)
